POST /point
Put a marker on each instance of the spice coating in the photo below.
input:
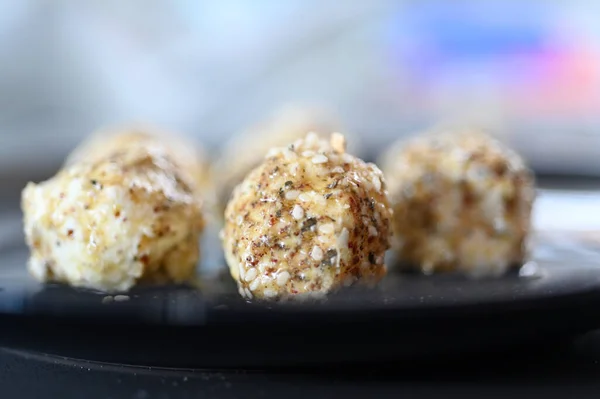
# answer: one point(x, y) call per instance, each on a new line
point(107, 221)
point(246, 150)
point(462, 201)
point(103, 143)
point(309, 220)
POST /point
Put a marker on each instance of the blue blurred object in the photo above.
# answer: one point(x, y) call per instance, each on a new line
point(476, 29)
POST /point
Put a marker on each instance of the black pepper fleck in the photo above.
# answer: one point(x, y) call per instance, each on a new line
point(97, 184)
point(288, 184)
point(372, 258)
point(328, 195)
point(328, 258)
point(310, 222)
point(333, 185)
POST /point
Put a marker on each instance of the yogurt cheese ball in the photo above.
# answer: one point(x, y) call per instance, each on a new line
point(192, 158)
point(129, 211)
point(247, 149)
point(309, 220)
point(462, 202)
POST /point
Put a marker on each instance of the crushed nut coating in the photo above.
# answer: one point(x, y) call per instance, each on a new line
point(126, 210)
point(298, 226)
point(462, 201)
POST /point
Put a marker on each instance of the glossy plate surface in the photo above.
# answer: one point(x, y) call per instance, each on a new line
point(556, 294)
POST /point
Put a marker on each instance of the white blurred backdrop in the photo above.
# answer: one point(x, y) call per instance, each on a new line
point(528, 69)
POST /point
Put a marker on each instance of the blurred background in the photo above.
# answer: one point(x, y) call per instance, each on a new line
point(530, 70)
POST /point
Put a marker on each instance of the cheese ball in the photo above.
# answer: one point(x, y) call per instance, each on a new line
point(126, 211)
point(247, 149)
point(462, 202)
point(190, 157)
point(309, 220)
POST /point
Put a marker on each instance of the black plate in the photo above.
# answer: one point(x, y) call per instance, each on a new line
point(557, 294)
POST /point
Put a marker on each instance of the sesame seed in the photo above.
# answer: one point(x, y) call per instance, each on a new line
point(269, 293)
point(242, 272)
point(294, 168)
point(311, 138)
point(343, 239)
point(347, 158)
point(320, 200)
point(290, 155)
point(304, 197)
point(338, 169)
point(107, 299)
point(273, 152)
point(333, 157)
point(317, 253)
point(499, 225)
point(326, 228)
point(308, 154)
point(282, 278)
point(241, 291)
point(264, 279)
point(319, 158)
point(377, 183)
point(338, 142)
point(254, 284)
point(262, 266)
point(240, 220)
point(292, 194)
point(248, 293)
point(251, 274)
point(297, 212)
point(373, 231)
point(121, 298)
